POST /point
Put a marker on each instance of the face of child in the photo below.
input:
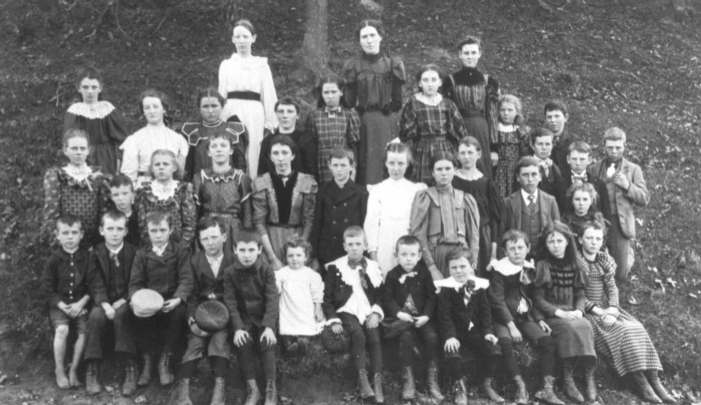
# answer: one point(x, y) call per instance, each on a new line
point(282, 156)
point(592, 240)
point(543, 146)
point(516, 251)
point(247, 252)
point(69, 236)
point(76, 150)
point(220, 150)
point(469, 55)
point(286, 116)
point(163, 167)
point(578, 161)
point(529, 178)
point(555, 120)
point(507, 113)
point(370, 40)
point(89, 90)
point(396, 165)
point(114, 231)
point(468, 156)
point(461, 270)
point(122, 197)
point(581, 201)
point(331, 94)
point(340, 169)
point(443, 172)
point(430, 82)
point(243, 40)
point(614, 149)
point(556, 244)
point(354, 246)
point(212, 240)
point(158, 233)
point(153, 110)
point(296, 257)
point(408, 256)
point(210, 109)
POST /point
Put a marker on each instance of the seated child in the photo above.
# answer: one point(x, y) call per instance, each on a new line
point(122, 196)
point(352, 293)
point(516, 317)
point(251, 296)
point(551, 180)
point(207, 268)
point(301, 295)
point(64, 282)
point(465, 322)
point(409, 302)
point(160, 266)
point(108, 273)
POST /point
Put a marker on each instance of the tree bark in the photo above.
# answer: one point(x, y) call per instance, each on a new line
point(315, 48)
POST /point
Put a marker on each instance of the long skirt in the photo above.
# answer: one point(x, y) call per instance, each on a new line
point(572, 338)
point(251, 114)
point(625, 344)
point(477, 126)
point(376, 130)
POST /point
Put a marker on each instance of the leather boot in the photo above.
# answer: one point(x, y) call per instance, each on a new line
point(270, 393)
point(590, 382)
point(547, 394)
point(145, 376)
point(644, 388)
point(460, 392)
point(253, 393)
point(521, 392)
point(379, 394)
point(653, 377)
point(364, 385)
point(92, 385)
point(129, 386)
point(568, 381)
point(408, 388)
point(489, 390)
point(218, 392)
point(164, 373)
point(433, 387)
point(181, 394)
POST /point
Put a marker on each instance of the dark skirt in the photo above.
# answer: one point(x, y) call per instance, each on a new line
point(573, 338)
point(376, 130)
point(477, 126)
point(505, 172)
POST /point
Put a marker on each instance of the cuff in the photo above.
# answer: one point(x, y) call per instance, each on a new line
point(378, 310)
point(331, 321)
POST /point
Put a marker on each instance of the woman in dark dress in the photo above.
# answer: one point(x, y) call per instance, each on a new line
point(374, 87)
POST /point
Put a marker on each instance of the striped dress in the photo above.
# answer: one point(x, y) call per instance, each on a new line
point(626, 344)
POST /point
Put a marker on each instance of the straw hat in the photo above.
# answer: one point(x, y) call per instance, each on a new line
point(146, 303)
point(211, 316)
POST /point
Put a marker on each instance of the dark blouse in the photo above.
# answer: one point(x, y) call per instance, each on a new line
point(488, 202)
point(374, 82)
point(558, 285)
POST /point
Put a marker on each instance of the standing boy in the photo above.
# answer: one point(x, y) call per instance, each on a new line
point(551, 180)
point(556, 116)
point(579, 159)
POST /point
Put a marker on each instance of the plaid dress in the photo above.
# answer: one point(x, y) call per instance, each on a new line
point(511, 143)
point(333, 128)
point(180, 206)
point(626, 344)
point(429, 129)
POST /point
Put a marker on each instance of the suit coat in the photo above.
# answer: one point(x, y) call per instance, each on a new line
point(513, 205)
point(204, 281)
point(455, 318)
point(251, 295)
point(106, 287)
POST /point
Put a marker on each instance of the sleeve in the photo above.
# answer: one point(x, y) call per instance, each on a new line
point(448, 88)
point(398, 80)
point(353, 130)
point(52, 198)
point(116, 127)
point(580, 297)
point(197, 192)
point(610, 280)
point(505, 221)
point(308, 207)
point(137, 279)
point(330, 282)
point(264, 163)
point(190, 165)
point(130, 158)
point(268, 96)
point(524, 133)
point(637, 191)
point(371, 225)
point(50, 282)
point(318, 222)
point(309, 149)
point(260, 209)
point(316, 287)
point(185, 275)
point(231, 301)
point(472, 225)
point(554, 210)
point(389, 304)
point(485, 313)
point(500, 310)
point(418, 224)
point(69, 121)
point(246, 214)
point(96, 285)
point(272, 298)
point(457, 125)
point(104, 198)
point(492, 108)
point(183, 153)
point(350, 91)
point(446, 327)
point(496, 208)
point(188, 213)
point(408, 129)
point(238, 159)
point(430, 295)
point(543, 282)
point(141, 209)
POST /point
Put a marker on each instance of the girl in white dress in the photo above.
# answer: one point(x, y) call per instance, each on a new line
point(389, 207)
point(246, 82)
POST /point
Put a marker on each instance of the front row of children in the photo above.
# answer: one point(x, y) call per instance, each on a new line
point(566, 306)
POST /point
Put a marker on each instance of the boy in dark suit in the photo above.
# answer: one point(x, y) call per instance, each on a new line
point(122, 196)
point(579, 159)
point(556, 116)
point(551, 180)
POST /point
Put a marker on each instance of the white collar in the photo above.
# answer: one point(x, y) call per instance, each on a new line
point(115, 251)
point(100, 109)
point(79, 173)
point(434, 101)
point(524, 195)
point(506, 127)
point(506, 268)
point(164, 191)
point(159, 252)
point(450, 282)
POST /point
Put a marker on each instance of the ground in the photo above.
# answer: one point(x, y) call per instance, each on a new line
point(634, 64)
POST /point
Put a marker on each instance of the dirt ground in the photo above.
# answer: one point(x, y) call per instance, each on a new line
point(634, 64)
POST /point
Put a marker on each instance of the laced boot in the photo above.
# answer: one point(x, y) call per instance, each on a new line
point(547, 394)
point(129, 385)
point(568, 382)
point(145, 376)
point(364, 385)
point(460, 392)
point(489, 391)
point(164, 374)
point(379, 394)
point(218, 392)
point(654, 377)
point(408, 387)
point(253, 395)
point(521, 392)
point(181, 394)
point(646, 391)
point(591, 382)
point(92, 385)
point(433, 387)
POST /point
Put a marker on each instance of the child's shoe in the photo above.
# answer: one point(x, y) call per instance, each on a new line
point(489, 391)
point(92, 385)
point(521, 392)
point(408, 387)
point(568, 382)
point(432, 380)
point(164, 374)
point(654, 377)
point(547, 394)
point(379, 394)
point(145, 376)
point(645, 389)
point(364, 385)
point(253, 395)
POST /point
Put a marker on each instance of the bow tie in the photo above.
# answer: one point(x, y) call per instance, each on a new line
point(404, 276)
point(355, 263)
point(579, 178)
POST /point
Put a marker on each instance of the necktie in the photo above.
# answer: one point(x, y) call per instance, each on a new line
point(115, 259)
point(360, 265)
point(404, 276)
point(531, 203)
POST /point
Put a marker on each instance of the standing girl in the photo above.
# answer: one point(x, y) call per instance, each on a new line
point(75, 189)
point(470, 180)
point(389, 207)
point(165, 193)
point(511, 142)
point(103, 123)
point(331, 126)
point(430, 123)
point(139, 146)
point(247, 84)
point(374, 87)
point(476, 95)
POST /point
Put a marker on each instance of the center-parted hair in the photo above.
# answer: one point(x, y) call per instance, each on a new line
point(165, 102)
point(207, 92)
point(514, 235)
point(587, 188)
point(376, 24)
point(114, 215)
point(561, 228)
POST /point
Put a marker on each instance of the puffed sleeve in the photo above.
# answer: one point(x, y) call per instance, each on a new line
point(188, 213)
point(472, 225)
point(316, 286)
point(222, 79)
point(398, 80)
point(130, 158)
point(308, 207)
point(492, 108)
point(353, 130)
point(116, 127)
point(246, 213)
point(418, 224)
point(371, 225)
point(259, 200)
point(609, 267)
point(52, 202)
point(408, 129)
point(350, 91)
point(268, 95)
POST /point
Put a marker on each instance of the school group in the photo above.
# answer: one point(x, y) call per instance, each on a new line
point(441, 223)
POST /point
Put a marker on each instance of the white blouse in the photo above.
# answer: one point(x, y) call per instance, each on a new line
point(251, 73)
point(139, 146)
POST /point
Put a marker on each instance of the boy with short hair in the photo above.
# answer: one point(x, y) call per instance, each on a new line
point(340, 203)
point(352, 294)
point(556, 116)
point(122, 196)
point(550, 175)
point(64, 281)
point(625, 188)
point(251, 296)
point(409, 302)
point(207, 267)
point(109, 272)
point(578, 160)
point(160, 266)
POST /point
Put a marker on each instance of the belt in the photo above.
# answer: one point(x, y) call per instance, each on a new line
point(244, 95)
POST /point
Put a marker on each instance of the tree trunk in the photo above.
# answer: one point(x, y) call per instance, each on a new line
point(315, 48)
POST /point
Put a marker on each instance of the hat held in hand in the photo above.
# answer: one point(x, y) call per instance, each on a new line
point(211, 316)
point(335, 342)
point(146, 303)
